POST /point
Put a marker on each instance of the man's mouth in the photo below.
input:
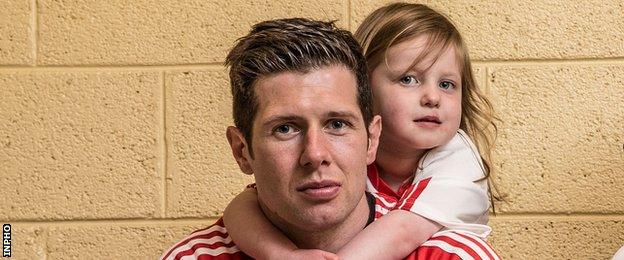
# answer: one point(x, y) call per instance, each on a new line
point(320, 191)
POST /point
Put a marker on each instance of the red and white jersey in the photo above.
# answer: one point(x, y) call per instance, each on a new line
point(447, 244)
point(210, 243)
point(214, 243)
point(447, 187)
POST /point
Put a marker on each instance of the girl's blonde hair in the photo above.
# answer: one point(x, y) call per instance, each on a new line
point(399, 22)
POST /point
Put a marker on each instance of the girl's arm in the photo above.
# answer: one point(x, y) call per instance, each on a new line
point(393, 236)
point(257, 237)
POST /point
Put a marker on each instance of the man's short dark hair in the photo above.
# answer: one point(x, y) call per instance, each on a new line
point(291, 45)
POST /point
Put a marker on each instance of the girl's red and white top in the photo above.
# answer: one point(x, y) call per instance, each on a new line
point(448, 187)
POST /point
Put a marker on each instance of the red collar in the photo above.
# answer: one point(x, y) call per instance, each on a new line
point(382, 187)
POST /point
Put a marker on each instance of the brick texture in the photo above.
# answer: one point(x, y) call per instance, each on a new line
point(126, 241)
point(79, 145)
point(478, 71)
point(16, 33)
point(560, 144)
point(557, 238)
point(510, 30)
point(203, 175)
point(158, 32)
point(28, 242)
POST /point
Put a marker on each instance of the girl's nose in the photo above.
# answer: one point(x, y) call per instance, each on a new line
point(430, 96)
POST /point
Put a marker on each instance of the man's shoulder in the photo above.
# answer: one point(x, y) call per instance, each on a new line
point(447, 245)
point(212, 242)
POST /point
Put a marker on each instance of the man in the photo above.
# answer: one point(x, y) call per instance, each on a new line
point(305, 130)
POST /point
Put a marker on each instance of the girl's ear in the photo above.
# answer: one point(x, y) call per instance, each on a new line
point(374, 131)
point(239, 147)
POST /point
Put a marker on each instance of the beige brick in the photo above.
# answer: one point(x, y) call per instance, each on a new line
point(27, 242)
point(158, 32)
point(560, 144)
point(16, 33)
point(116, 241)
point(479, 73)
point(543, 29)
point(557, 238)
point(204, 175)
point(78, 145)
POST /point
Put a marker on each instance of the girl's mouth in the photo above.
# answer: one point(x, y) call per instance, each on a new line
point(428, 119)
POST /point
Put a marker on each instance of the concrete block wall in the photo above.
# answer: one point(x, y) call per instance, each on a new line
point(113, 113)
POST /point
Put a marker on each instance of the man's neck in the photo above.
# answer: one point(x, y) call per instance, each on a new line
point(329, 239)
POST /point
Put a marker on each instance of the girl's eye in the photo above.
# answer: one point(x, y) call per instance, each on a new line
point(447, 85)
point(408, 80)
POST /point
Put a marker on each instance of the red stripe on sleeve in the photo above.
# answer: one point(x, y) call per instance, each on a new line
point(191, 251)
point(236, 256)
point(199, 236)
point(458, 244)
point(480, 245)
point(431, 252)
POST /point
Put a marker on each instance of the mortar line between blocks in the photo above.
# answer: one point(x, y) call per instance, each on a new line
point(116, 222)
point(165, 145)
point(87, 68)
point(218, 65)
point(542, 62)
point(561, 216)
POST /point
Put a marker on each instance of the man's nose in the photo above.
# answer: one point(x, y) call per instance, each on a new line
point(430, 96)
point(315, 150)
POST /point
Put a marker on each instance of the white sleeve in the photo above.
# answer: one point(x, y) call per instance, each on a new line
point(447, 189)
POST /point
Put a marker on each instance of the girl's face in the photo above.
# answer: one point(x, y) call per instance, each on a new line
point(420, 106)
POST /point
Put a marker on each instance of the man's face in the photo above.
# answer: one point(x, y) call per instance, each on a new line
point(310, 148)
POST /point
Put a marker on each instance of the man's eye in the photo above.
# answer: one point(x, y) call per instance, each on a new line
point(447, 85)
point(337, 124)
point(408, 80)
point(283, 129)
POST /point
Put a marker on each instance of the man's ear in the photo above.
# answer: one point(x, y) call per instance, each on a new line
point(239, 147)
point(374, 131)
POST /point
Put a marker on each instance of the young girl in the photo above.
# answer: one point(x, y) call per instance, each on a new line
point(428, 175)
